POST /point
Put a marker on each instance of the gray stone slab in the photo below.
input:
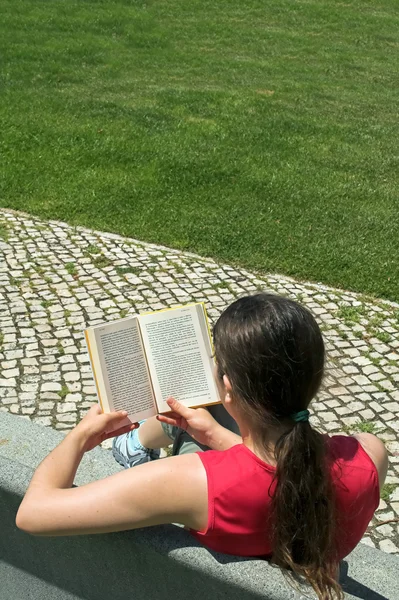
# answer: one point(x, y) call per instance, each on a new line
point(156, 563)
point(28, 444)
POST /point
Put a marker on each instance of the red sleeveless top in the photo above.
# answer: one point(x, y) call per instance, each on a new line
point(240, 487)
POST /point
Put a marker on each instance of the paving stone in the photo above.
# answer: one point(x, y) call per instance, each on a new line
point(376, 376)
point(51, 387)
point(26, 332)
point(45, 360)
point(338, 391)
point(388, 546)
point(384, 516)
point(49, 368)
point(327, 416)
point(332, 426)
point(367, 414)
point(24, 396)
point(62, 333)
point(56, 376)
point(350, 421)
point(392, 406)
point(350, 369)
point(370, 369)
point(71, 350)
point(88, 302)
point(66, 359)
point(378, 408)
point(343, 410)
point(73, 398)
point(7, 373)
point(361, 379)
point(49, 343)
point(12, 354)
point(368, 541)
point(89, 389)
point(66, 407)
point(86, 404)
point(29, 362)
point(8, 364)
point(332, 403)
point(43, 321)
point(385, 530)
point(47, 405)
point(355, 406)
point(11, 382)
point(75, 386)
point(49, 396)
point(69, 367)
point(67, 418)
point(47, 421)
point(71, 376)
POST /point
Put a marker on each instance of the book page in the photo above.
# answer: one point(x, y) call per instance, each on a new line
point(124, 368)
point(179, 357)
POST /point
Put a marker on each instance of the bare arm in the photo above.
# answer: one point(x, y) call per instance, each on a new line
point(377, 452)
point(122, 501)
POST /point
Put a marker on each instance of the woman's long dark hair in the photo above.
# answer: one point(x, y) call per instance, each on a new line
point(272, 351)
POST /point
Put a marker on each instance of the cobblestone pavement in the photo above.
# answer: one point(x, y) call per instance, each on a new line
point(55, 280)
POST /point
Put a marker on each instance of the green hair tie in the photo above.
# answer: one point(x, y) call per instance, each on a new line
point(301, 416)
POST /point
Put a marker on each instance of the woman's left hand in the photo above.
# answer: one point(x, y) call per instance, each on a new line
point(96, 426)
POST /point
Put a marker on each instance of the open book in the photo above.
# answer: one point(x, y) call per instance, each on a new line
point(139, 361)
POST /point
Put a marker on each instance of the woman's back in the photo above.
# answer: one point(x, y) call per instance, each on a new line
point(241, 488)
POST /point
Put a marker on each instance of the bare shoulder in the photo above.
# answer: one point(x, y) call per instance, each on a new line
point(372, 445)
point(376, 450)
point(180, 481)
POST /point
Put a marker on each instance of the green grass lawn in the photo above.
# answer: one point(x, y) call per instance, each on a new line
point(260, 133)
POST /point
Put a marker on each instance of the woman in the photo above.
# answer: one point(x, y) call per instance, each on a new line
point(280, 490)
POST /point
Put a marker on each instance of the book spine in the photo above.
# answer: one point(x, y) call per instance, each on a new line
point(209, 327)
point(93, 369)
point(148, 366)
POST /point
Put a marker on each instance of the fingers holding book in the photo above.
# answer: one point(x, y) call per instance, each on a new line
point(179, 415)
point(96, 426)
point(198, 422)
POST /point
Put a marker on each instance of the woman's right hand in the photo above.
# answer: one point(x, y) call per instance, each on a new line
point(198, 422)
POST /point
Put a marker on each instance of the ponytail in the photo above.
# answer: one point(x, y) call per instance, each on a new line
point(272, 350)
point(303, 510)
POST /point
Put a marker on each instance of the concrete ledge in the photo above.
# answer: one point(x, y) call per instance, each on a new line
point(148, 564)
